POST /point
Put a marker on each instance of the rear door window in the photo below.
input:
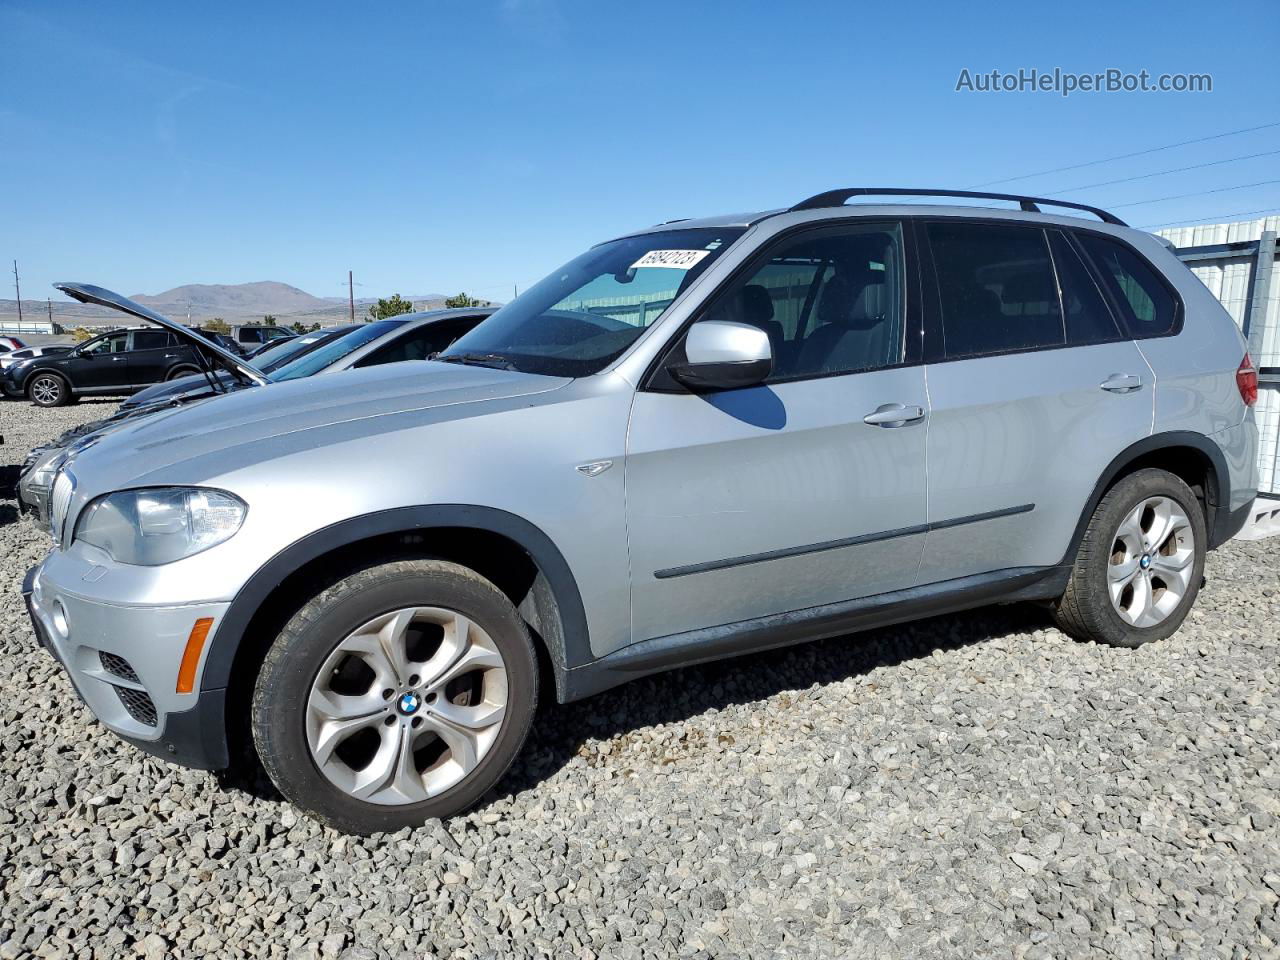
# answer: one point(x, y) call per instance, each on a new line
point(997, 288)
point(1148, 307)
point(151, 339)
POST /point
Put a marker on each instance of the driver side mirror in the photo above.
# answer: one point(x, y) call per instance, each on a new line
point(722, 355)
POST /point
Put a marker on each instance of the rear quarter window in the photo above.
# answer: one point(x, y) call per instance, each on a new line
point(1148, 307)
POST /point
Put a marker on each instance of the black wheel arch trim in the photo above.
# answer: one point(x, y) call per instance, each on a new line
point(571, 648)
point(1217, 494)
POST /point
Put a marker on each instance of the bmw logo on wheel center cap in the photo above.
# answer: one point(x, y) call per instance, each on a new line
point(409, 703)
point(1145, 561)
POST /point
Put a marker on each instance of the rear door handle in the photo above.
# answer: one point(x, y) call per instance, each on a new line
point(893, 415)
point(1122, 383)
point(119, 359)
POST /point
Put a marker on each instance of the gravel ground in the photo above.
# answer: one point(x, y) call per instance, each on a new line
point(969, 786)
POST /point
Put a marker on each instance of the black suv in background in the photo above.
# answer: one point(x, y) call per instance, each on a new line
point(115, 363)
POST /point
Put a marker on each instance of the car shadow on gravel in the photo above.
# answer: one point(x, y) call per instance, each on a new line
point(560, 732)
point(9, 481)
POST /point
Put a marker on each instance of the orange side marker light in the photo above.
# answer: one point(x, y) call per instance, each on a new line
point(191, 656)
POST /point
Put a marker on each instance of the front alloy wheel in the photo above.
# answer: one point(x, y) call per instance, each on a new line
point(407, 705)
point(402, 692)
point(47, 390)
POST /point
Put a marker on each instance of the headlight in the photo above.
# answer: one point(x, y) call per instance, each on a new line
point(40, 466)
point(160, 525)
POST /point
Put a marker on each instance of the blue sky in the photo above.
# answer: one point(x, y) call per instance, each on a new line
point(432, 147)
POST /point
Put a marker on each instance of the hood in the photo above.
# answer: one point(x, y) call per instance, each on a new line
point(251, 426)
point(88, 293)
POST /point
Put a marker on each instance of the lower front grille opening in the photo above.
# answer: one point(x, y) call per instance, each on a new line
point(139, 705)
point(117, 666)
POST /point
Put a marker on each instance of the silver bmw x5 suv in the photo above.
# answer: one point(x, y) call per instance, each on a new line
point(697, 440)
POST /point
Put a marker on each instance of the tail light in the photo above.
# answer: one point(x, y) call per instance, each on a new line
point(1247, 381)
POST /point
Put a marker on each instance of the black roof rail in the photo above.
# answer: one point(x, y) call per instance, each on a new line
point(836, 198)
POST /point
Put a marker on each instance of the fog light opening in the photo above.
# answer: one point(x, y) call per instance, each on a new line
point(58, 614)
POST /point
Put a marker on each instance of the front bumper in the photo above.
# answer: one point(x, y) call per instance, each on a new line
point(123, 662)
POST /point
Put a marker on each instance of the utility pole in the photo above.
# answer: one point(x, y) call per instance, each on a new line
point(17, 291)
point(351, 295)
point(49, 302)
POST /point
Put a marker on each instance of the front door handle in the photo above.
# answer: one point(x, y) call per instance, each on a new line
point(893, 415)
point(119, 359)
point(1122, 383)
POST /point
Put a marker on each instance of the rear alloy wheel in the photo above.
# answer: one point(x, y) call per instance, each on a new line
point(403, 692)
point(48, 390)
point(1140, 564)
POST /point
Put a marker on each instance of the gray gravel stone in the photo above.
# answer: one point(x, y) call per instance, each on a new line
point(976, 785)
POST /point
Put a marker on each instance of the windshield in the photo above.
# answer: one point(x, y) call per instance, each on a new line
point(330, 352)
point(583, 316)
point(274, 357)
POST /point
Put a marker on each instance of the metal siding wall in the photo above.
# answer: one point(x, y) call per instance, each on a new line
point(1267, 413)
point(1230, 279)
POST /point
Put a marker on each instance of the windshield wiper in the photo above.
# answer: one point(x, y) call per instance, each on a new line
point(495, 360)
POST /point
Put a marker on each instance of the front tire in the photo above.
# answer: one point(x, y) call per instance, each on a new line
point(400, 693)
point(1140, 564)
point(48, 390)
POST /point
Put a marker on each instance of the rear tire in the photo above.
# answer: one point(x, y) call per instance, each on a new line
point(49, 390)
point(1140, 564)
point(177, 372)
point(375, 707)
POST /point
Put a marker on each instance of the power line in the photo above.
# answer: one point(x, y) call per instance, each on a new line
point(1198, 193)
point(1265, 211)
point(1161, 173)
point(1126, 156)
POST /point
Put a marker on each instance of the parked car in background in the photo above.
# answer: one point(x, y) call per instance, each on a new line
point(26, 353)
point(195, 386)
point(250, 336)
point(250, 351)
point(8, 343)
point(697, 440)
point(411, 336)
point(416, 336)
point(111, 364)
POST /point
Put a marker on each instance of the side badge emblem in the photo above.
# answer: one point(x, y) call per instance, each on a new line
point(595, 468)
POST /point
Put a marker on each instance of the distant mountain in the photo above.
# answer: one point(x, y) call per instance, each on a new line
point(240, 299)
point(233, 302)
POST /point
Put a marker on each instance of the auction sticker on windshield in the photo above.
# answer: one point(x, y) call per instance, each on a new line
point(675, 259)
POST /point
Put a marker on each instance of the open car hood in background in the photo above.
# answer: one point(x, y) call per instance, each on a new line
point(88, 293)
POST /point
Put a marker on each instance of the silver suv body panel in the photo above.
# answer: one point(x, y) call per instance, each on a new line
point(667, 527)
